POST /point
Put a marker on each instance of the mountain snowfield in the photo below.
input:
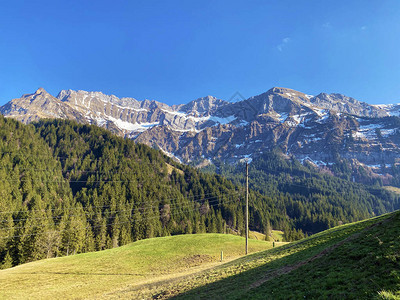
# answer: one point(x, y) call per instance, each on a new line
point(311, 128)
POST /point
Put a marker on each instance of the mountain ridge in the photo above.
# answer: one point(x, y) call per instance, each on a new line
point(315, 128)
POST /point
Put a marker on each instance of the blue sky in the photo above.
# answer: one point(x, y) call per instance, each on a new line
point(177, 51)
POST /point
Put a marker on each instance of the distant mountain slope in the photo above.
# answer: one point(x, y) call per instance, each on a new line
point(314, 128)
point(313, 199)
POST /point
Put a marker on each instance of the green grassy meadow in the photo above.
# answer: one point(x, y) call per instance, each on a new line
point(392, 189)
point(276, 235)
point(134, 270)
point(353, 261)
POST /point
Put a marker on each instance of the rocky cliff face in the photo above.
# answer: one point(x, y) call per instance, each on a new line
point(32, 107)
point(313, 128)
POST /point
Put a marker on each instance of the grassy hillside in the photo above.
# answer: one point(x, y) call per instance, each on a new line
point(393, 189)
point(135, 269)
point(276, 235)
point(355, 261)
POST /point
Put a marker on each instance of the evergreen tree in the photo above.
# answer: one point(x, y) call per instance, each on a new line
point(7, 261)
point(268, 231)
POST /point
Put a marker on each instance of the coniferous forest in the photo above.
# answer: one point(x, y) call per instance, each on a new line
point(68, 188)
point(313, 199)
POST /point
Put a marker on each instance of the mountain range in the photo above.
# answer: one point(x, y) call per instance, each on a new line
point(317, 129)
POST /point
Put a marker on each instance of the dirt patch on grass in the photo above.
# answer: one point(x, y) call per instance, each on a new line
point(196, 260)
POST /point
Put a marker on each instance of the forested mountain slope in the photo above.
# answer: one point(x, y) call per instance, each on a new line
point(72, 188)
point(314, 199)
point(34, 195)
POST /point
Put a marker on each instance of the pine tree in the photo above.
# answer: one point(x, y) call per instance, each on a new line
point(7, 261)
point(268, 231)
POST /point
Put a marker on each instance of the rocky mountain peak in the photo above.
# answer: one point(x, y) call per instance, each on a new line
point(39, 98)
point(210, 128)
point(39, 94)
point(288, 93)
point(40, 104)
point(284, 91)
point(334, 98)
point(67, 95)
point(204, 105)
point(63, 94)
point(40, 91)
point(344, 104)
point(274, 102)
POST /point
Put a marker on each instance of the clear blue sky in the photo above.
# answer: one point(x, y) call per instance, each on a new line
point(177, 51)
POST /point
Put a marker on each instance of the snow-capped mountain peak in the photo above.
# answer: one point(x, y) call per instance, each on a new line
point(308, 127)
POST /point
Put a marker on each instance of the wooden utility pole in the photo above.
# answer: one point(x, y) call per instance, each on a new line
point(247, 207)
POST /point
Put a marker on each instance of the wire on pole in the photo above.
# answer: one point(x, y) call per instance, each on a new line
point(247, 207)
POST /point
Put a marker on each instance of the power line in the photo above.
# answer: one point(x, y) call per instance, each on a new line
point(106, 225)
point(87, 213)
point(117, 211)
point(61, 170)
point(64, 180)
point(200, 197)
point(88, 156)
point(112, 212)
point(46, 155)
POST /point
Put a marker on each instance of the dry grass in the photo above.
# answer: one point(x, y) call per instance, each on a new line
point(392, 189)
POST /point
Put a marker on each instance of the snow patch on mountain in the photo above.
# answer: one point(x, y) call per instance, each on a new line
point(299, 124)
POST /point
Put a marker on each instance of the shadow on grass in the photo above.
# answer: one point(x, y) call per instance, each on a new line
point(237, 286)
point(332, 266)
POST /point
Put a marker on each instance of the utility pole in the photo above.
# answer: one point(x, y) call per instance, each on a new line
point(247, 207)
